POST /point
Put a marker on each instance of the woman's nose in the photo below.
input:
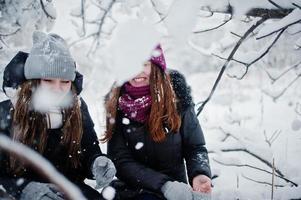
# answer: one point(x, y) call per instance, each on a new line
point(56, 86)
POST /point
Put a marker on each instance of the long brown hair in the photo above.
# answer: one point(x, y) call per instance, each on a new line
point(30, 127)
point(163, 112)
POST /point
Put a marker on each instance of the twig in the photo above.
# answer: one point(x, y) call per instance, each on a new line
point(261, 56)
point(255, 12)
point(257, 168)
point(239, 36)
point(45, 11)
point(249, 31)
point(213, 28)
point(273, 182)
point(274, 79)
point(83, 16)
point(284, 90)
point(9, 34)
point(298, 6)
point(272, 139)
point(261, 182)
point(276, 5)
point(97, 34)
point(254, 155)
point(277, 30)
point(43, 166)
point(227, 134)
point(161, 15)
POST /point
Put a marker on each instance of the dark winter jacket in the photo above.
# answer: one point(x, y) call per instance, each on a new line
point(150, 166)
point(54, 152)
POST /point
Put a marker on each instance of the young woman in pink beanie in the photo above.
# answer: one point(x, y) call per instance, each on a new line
point(151, 129)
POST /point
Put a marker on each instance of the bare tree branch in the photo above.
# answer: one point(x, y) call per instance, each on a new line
point(247, 65)
point(2, 35)
point(256, 168)
point(282, 28)
point(274, 79)
point(216, 27)
point(284, 90)
point(255, 12)
point(161, 15)
point(260, 182)
point(83, 16)
point(239, 36)
point(255, 156)
point(273, 137)
point(41, 165)
point(276, 5)
point(45, 11)
point(296, 5)
point(96, 34)
point(238, 44)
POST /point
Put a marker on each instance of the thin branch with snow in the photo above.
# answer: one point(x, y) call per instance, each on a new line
point(274, 79)
point(276, 97)
point(230, 57)
point(36, 161)
point(260, 182)
point(256, 168)
point(247, 65)
point(273, 137)
point(216, 27)
point(45, 11)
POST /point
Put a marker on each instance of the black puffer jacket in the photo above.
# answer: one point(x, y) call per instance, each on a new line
point(54, 152)
point(153, 164)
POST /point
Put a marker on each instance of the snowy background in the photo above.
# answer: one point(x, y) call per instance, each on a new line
point(251, 121)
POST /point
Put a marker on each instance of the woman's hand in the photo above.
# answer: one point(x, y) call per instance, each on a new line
point(201, 183)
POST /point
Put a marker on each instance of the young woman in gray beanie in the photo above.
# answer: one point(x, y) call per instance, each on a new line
point(151, 129)
point(48, 116)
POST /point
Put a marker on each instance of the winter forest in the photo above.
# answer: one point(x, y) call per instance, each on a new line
point(240, 58)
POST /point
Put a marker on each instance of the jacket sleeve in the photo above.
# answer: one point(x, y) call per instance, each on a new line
point(131, 171)
point(89, 143)
point(194, 150)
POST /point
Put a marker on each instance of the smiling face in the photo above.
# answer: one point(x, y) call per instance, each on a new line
point(142, 79)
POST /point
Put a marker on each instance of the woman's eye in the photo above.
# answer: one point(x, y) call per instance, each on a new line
point(65, 82)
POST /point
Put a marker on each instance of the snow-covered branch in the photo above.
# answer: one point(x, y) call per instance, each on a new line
point(47, 12)
point(230, 57)
point(274, 79)
point(254, 167)
point(36, 161)
point(99, 22)
point(214, 28)
point(277, 96)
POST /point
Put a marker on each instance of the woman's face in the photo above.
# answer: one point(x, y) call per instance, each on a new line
point(142, 79)
point(56, 85)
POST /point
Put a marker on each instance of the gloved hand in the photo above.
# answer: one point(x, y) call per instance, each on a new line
point(201, 196)
point(174, 190)
point(41, 191)
point(103, 170)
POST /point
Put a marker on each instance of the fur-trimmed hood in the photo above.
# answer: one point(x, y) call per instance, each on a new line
point(182, 90)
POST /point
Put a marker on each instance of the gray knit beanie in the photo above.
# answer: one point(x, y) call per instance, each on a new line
point(49, 58)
